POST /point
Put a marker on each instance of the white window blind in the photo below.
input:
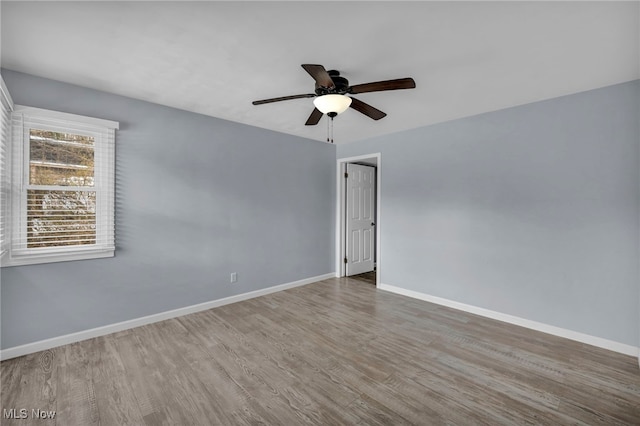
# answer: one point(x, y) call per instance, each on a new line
point(63, 187)
point(6, 106)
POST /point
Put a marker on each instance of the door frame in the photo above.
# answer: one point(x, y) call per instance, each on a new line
point(341, 191)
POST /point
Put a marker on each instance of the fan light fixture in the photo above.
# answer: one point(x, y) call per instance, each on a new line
point(332, 105)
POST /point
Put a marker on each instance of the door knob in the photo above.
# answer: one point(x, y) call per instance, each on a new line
point(373, 224)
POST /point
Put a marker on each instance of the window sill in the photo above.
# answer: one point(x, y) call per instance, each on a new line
point(35, 259)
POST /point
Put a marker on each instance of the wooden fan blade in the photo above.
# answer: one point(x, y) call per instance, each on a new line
point(320, 75)
point(283, 98)
point(379, 86)
point(367, 109)
point(314, 118)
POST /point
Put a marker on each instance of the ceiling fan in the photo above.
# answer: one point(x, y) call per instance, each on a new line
point(331, 92)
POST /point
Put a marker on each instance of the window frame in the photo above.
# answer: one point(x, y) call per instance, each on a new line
point(103, 131)
point(5, 169)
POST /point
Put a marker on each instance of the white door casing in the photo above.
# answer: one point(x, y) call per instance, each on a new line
point(360, 218)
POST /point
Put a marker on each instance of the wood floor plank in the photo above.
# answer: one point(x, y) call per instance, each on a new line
point(114, 395)
point(338, 351)
point(76, 398)
point(34, 382)
point(147, 379)
point(298, 361)
point(502, 396)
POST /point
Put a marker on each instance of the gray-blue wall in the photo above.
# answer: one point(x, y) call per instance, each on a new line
point(196, 199)
point(530, 211)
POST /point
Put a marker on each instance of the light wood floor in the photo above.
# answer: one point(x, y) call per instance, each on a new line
point(335, 352)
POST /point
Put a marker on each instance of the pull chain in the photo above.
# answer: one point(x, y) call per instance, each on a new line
point(330, 126)
point(328, 131)
point(331, 129)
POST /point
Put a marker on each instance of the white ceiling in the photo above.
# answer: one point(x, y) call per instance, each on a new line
point(215, 58)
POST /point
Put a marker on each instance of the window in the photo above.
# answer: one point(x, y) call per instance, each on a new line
point(62, 187)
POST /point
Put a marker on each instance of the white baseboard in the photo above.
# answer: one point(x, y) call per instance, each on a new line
point(538, 326)
point(137, 322)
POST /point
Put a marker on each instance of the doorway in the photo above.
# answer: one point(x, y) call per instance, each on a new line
point(358, 236)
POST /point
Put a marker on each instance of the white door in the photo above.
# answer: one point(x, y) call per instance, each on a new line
point(360, 218)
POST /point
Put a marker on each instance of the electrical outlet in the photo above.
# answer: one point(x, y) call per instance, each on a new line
point(234, 277)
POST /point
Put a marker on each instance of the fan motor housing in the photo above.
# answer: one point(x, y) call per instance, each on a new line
point(341, 85)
